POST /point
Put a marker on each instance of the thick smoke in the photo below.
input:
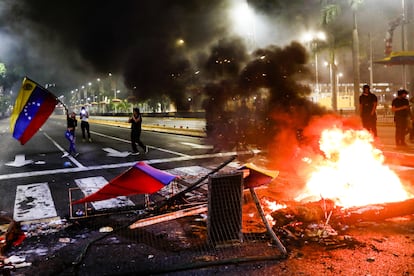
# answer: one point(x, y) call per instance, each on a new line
point(72, 42)
point(266, 99)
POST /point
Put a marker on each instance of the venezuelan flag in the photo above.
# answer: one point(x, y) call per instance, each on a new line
point(32, 108)
point(139, 179)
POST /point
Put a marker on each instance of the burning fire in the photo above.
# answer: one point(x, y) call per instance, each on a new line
point(353, 172)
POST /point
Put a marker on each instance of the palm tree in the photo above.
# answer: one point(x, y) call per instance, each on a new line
point(330, 11)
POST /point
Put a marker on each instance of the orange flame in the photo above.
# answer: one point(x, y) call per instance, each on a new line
point(353, 172)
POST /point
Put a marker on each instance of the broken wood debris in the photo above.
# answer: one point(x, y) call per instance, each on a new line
point(324, 223)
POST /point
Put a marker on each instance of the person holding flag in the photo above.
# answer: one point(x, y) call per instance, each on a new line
point(72, 123)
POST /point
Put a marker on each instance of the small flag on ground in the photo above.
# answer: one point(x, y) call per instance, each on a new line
point(139, 179)
point(32, 108)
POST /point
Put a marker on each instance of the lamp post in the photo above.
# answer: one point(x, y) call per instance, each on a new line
point(84, 92)
point(313, 38)
point(89, 89)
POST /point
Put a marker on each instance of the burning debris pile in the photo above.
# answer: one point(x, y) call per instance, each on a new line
point(342, 179)
point(324, 224)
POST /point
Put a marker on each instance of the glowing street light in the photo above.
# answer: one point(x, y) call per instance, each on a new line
point(243, 21)
point(179, 42)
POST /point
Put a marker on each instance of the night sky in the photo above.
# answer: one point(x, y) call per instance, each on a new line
point(71, 42)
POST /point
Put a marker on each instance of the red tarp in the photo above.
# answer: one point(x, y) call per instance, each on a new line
point(139, 179)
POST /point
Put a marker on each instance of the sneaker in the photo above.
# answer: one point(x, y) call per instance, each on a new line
point(90, 140)
point(135, 153)
point(146, 149)
point(65, 155)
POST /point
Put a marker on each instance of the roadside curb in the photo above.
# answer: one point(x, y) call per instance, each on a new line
point(181, 130)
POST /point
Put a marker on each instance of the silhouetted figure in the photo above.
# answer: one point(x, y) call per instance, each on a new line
point(136, 122)
point(401, 108)
point(84, 117)
point(368, 110)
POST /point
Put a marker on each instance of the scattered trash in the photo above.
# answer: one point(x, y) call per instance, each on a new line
point(13, 262)
point(14, 259)
point(106, 229)
point(67, 164)
point(80, 213)
point(150, 256)
point(36, 228)
point(64, 240)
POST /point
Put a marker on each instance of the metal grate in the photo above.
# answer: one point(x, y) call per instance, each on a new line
point(224, 222)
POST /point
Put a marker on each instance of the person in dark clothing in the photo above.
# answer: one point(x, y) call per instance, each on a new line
point(72, 123)
point(368, 109)
point(401, 109)
point(136, 122)
point(84, 117)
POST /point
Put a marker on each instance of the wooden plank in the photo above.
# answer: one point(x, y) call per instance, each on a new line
point(169, 216)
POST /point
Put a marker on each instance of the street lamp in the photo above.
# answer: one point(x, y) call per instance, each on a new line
point(313, 39)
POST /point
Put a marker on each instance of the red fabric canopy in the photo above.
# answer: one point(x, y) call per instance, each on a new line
point(139, 179)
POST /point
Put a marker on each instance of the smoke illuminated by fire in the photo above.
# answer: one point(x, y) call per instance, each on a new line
point(353, 172)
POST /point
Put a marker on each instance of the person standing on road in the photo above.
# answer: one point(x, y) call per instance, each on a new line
point(368, 109)
point(70, 133)
point(401, 109)
point(136, 122)
point(84, 117)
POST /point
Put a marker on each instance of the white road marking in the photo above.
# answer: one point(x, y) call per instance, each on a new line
point(114, 153)
point(119, 165)
point(129, 142)
point(33, 202)
point(71, 158)
point(197, 146)
point(191, 174)
point(92, 184)
point(19, 161)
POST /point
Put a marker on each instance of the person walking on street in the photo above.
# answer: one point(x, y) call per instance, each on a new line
point(368, 109)
point(84, 117)
point(401, 109)
point(70, 134)
point(136, 122)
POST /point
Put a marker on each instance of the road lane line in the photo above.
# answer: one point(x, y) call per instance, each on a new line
point(129, 142)
point(197, 146)
point(120, 165)
point(71, 158)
